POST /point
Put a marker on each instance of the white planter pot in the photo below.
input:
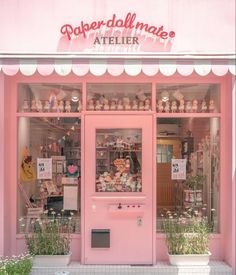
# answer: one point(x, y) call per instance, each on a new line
point(190, 259)
point(51, 260)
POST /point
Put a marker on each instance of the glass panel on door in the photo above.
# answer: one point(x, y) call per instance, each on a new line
point(118, 160)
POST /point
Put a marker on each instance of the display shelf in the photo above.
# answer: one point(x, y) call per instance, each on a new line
point(37, 114)
point(186, 115)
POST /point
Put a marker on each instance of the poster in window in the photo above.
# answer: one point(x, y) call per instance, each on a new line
point(178, 169)
point(44, 168)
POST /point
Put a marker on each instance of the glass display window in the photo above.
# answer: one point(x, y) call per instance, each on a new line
point(118, 160)
point(119, 97)
point(47, 97)
point(49, 161)
point(188, 98)
point(195, 184)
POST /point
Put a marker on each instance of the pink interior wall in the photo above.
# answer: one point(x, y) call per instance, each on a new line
point(200, 26)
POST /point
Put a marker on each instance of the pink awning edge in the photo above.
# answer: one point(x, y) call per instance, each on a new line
point(132, 67)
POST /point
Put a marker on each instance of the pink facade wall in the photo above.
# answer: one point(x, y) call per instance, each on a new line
point(2, 185)
point(200, 26)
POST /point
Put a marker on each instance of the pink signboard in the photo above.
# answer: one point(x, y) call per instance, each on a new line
point(102, 26)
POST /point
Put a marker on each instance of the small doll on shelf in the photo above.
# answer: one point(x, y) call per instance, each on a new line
point(25, 106)
point(98, 105)
point(147, 104)
point(61, 106)
point(91, 105)
point(141, 106)
point(119, 105)
point(68, 106)
point(55, 106)
point(167, 107)
point(195, 106)
point(211, 106)
point(181, 106)
point(113, 105)
point(188, 107)
point(46, 106)
point(127, 104)
point(79, 106)
point(160, 107)
point(204, 106)
point(39, 106)
point(33, 106)
point(173, 106)
point(106, 106)
point(135, 105)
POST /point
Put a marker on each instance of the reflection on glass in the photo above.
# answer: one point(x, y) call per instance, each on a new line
point(188, 98)
point(49, 164)
point(198, 141)
point(119, 97)
point(118, 160)
point(49, 97)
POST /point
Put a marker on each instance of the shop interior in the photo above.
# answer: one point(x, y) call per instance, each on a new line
point(118, 151)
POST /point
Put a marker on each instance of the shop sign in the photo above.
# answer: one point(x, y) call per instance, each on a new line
point(44, 168)
point(116, 31)
point(178, 169)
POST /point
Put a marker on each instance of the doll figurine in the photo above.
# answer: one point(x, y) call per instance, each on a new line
point(39, 106)
point(68, 106)
point(106, 106)
point(79, 107)
point(98, 105)
point(113, 105)
point(204, 107)
point(90, 105)
point(119, 105)
point(25, 106)
point(181, 106)
point(141, 105)
point(61, 106)
point(46, 106)
point(167, 107)
point(127, 104)
point(55, 106)
point(188, 107)
point(33, 106)
point(195, 106)
point(211, 106)
point(147, 104)
point(135, 105)
point(160, 107)
point(173, 106)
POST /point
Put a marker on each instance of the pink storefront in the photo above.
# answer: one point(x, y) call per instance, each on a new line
point(109, 99)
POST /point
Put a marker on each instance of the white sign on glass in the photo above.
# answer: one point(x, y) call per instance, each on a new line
point(70, 201)
point(44, 168)
point(178, 169)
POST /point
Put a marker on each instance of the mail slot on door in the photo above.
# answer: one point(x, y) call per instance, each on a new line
point(100, 238)
point(126, 209)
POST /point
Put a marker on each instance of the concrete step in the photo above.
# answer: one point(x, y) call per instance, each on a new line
point(161, 268)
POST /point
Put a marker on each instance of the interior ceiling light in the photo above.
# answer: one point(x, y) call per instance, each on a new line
point(164, 96)
point(75, 96)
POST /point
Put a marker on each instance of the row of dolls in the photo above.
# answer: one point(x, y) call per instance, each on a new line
point(187, 107)
point(119, 104)
point(55, 106)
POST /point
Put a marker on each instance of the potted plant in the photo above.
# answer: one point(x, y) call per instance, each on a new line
point(195, 185)
point(49, 240)
point(21, 264)
point(187, 237)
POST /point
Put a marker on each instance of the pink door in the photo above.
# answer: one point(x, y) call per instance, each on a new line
point(118, 203)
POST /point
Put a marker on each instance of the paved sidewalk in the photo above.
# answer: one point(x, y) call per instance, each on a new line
point(161, 268)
